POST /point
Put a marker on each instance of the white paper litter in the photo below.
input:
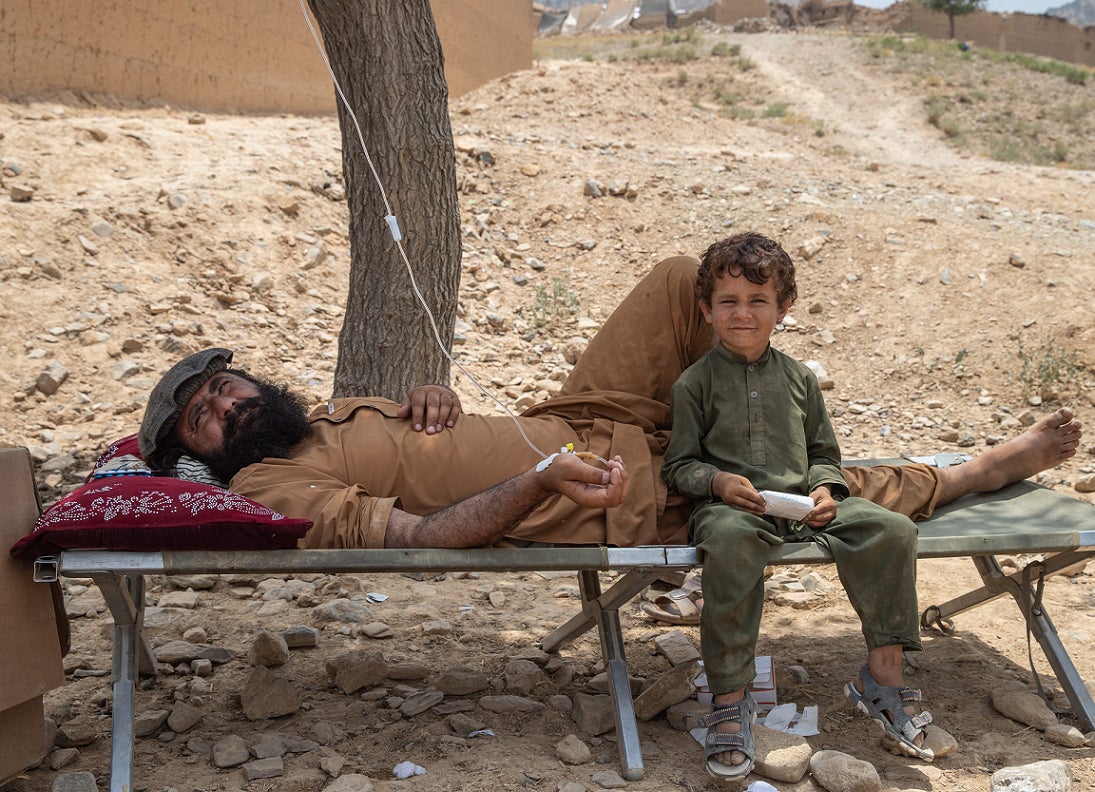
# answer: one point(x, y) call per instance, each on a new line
point(787, 718)
point(760, 786)
point(407, 769)
point(374, 596)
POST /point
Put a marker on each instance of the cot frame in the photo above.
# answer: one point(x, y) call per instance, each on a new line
point(1020, 519)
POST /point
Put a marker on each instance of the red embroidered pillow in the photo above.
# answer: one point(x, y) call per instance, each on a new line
point(157, 513)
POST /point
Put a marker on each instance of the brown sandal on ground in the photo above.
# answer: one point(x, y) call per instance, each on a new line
point(679, 606)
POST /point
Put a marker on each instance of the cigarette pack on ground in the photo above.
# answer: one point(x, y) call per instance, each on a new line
point(786, 504)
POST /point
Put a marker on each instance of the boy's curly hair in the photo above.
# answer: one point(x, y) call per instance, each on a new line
point(754, 256)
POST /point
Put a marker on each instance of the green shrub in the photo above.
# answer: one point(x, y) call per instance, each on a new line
point(776, 110)
point(556, 306)
point(724, 50)
point(1047, 369)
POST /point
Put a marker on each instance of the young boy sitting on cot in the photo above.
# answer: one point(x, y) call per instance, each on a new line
point(747, 418)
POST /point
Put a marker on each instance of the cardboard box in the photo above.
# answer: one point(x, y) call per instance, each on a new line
point(30, 655)
point(762, 688)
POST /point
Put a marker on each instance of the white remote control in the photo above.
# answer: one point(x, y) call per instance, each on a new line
point(786, 504)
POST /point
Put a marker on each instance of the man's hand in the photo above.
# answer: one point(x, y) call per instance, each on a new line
point(585, 484)
point(737, 491)
point(824, 508)
point(431, 407)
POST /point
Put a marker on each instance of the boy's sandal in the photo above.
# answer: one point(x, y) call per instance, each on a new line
point(744, 713)
point(679, 606)
point(886, 706)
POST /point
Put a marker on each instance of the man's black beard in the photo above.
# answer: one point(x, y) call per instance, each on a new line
point(267, 425)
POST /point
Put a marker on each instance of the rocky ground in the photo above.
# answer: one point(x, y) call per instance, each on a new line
point(946, 294)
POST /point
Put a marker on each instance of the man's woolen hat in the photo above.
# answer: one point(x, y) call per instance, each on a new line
point(156, 438)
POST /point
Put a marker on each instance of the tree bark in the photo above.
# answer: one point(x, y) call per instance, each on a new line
point(387, 58)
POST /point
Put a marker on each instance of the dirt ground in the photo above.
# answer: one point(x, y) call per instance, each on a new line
point(945, 293)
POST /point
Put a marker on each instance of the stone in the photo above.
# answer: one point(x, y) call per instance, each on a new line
point(593, 714)
point(149, 722)
point(781, 756)
point(811, 247)
point(343, 610)
point(354, 782)
point(81, 730)
point(462, 725)
point(461, 681)
point(183, 717)
point(522, 676)
point(377, 630)
point(75, 782)
point(939, 740)
point(269, 745)
point(272, 767)
point(230, 751)
point(356, 670)
point(420, 702)
point(21, 193)
point(315, 256)
point(509, 704)
point(408, 671)
point(62, 757)
point(175, 652)
point(600, 683)
point(269, 650)
point(51, 378)
point(686, 715)
point(1024, 706)
point(266, 695)
point(1085, 483)
point(672, 687)
point(572, 751)
point(1068, 736)
point(437, 627)
point(332, 765)
point(676, 647)
point(608, 779)
point(839, 772)
point(1050, 776)
point(300, 637)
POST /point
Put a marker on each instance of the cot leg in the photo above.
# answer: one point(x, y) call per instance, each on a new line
point(612, 649)
point(1021, 589)
point(125, 598)
point(620, 593)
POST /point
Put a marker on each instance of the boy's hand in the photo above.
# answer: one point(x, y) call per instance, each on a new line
point(824, 508)
point(737, 491)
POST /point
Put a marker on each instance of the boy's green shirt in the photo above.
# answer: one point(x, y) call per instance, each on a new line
point(764, 420)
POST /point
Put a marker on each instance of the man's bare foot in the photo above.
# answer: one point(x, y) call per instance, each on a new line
point(1044, 445)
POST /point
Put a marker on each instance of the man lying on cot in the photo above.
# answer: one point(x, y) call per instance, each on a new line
point(373, 473)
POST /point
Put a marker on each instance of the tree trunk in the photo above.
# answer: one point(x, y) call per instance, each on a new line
point(387, 58)
point(951, 18)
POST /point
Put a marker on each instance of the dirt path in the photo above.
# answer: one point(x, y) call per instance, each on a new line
point(865, 112)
